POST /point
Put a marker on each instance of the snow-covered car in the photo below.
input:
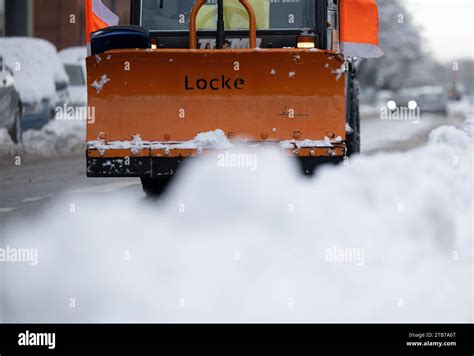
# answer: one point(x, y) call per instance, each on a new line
point(62, 95)
point(74, 61)
point(10, 104)
point(431, 99)
point(40, 78)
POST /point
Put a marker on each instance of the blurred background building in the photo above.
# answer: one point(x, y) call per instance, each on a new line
point(59, 21)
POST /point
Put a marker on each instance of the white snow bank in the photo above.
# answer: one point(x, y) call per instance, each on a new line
point(378, 134)
point(7, 146)
point(58, 138)
point(450, 135)
point(468, 126)
point(386, 239)
point(63, 137)
point(5, 138)
point(36, 67)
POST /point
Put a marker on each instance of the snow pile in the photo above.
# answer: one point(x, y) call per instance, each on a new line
point(136, 145)
point(5, 138)
point(7, 146)
point(468, 127)
point(63, 137)
point(210, 140)
point(36, 67)
point(385, 239)
point(379, 134)
point(216, 140)
point(59, 138)
point(451, 136)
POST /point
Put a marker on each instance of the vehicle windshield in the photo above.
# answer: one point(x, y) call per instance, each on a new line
point(173, 15)
point(75, 74)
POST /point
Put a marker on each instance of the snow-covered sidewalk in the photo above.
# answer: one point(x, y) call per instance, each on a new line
point(59, 138)
point(382, 135)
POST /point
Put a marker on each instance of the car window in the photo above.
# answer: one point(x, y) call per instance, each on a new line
point(75, 74)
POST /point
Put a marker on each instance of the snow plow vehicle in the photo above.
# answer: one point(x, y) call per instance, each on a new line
point(190, 78)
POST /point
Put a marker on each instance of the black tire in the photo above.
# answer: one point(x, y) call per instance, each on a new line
point(15, 132)
point(353, 119)
point(155, 188)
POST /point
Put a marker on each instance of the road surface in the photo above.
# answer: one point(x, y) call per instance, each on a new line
point(31, 187)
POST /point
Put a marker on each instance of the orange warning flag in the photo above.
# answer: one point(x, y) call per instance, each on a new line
point(98, 16)
point(360, 29)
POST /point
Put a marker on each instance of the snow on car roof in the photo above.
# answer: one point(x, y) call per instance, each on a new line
point(36, 67)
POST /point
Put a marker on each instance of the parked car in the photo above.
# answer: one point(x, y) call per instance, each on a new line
point(62, 95)
point(430, 99)
point(10, 104)
point(40, 78)
point(74, 61)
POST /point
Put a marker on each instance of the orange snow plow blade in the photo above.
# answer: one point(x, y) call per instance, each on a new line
point(155, 107)
point(167, 97)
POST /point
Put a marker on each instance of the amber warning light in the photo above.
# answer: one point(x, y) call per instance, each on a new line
point(306, 41)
